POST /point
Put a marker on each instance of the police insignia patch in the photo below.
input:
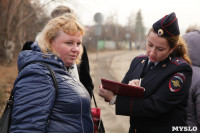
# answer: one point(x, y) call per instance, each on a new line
point(176, 82)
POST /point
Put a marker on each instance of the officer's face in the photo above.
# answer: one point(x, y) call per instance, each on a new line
point(157, 48)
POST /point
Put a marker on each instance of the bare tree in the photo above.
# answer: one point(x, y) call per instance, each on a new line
point(140, 31)
point(131, 22)
point(20, 20)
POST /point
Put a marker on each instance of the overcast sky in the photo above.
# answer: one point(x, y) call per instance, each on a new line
point(187, 11)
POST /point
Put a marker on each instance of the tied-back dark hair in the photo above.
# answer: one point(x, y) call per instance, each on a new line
point(180, 46)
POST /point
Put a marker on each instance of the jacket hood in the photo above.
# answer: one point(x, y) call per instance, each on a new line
point(193, 41)
point(32, 53)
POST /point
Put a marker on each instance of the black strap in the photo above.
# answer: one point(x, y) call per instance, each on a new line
point(95, 103)
point(11, 98)
point(52, 75)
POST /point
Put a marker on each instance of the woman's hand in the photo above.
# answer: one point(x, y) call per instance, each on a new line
point(106, 94)
point(134, 82)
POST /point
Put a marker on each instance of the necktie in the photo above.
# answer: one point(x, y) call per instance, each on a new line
point(150, 66)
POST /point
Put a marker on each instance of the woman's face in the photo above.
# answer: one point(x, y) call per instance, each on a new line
point(157, 48)
point(67, 46)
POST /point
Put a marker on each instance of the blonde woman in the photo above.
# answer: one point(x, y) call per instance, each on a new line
point(36, 108)
point(81, 70)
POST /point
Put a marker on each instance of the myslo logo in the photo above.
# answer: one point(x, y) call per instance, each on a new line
point(184, 128)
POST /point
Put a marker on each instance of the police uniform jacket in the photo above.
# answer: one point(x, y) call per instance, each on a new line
point(165, 99)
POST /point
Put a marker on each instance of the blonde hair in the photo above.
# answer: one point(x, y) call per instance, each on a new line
point(181, 49)
point(69, 25)
point(69, 13)
point(180, 46)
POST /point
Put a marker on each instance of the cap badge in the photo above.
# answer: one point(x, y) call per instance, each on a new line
point(160, 32)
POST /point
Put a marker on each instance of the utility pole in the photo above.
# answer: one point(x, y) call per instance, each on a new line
point(98, 18)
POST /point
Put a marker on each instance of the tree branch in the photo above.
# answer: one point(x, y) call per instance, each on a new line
point(27, 17)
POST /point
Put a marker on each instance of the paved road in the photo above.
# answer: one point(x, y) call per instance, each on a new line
point(111, 65)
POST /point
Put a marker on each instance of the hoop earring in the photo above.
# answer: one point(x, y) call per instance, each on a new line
point(170, 58)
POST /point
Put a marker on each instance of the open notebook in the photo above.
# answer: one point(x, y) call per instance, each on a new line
point(122, 89)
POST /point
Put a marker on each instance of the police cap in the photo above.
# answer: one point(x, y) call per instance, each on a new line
point(167, 26)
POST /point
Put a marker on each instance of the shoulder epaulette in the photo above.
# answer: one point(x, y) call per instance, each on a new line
point(178, 61)
point(140, 56)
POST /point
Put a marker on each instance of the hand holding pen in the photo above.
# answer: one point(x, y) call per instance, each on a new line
point(140, 81)
point(135, 82)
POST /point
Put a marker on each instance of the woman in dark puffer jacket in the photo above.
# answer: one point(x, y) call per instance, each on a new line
point(36, 108)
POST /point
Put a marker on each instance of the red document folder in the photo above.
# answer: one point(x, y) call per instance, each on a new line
point(123, 89)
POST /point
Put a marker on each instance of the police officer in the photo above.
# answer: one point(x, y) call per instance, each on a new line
point(166, 76)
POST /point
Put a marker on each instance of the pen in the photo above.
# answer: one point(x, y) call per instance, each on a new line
point(140, 81)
